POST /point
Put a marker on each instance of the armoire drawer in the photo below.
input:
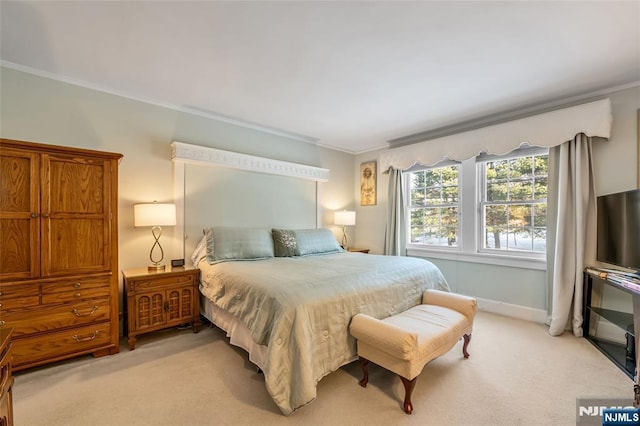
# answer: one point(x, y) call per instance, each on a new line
point(28, 321)
point(51, 345)
point(19, 295)
point(136, 285)
point(68, 291)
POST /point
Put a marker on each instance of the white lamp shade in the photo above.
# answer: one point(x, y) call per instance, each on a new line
point(154, 214)
point(345, 217)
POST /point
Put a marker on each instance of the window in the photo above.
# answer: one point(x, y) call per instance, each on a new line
point(513, 203)
point(484, 206)
point(434, 206)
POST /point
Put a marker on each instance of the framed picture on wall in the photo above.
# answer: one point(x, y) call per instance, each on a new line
point(368, 178)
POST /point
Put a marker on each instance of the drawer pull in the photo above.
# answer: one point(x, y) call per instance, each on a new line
point(2, 323)
point(76, 285)
point(86, 338)
point(77, 295)
point(78, 314)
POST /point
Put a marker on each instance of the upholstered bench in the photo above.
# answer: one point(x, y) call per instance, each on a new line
point(406, 342)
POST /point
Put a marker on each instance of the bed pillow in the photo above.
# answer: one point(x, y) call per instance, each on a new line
point(315, 241)
point(284, 243)
point(241, 243)
point(200, 252)
point(208, 236)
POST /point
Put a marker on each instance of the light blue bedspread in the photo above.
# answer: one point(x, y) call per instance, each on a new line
point(301, 307)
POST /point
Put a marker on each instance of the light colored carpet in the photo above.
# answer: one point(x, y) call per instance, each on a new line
point(517, 374)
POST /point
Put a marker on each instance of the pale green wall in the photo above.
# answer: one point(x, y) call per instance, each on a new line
point(517, 286)
point(616, 161)
point(615, 170)
point(42, 110)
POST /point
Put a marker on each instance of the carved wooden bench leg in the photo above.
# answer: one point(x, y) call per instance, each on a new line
point(467, 339)
point(365, 372)
point(408, 389)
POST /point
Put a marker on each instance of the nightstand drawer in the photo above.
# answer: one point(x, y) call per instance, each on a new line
point(49, 346)
point(75, 290)
point(26, 321)
point(19, 295)
point(149, 283)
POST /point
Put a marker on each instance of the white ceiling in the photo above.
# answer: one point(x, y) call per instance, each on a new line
point(349, 75)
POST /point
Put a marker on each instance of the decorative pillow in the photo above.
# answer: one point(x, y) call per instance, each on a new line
point(314, 241)
point(241, 243)
point(284, 243)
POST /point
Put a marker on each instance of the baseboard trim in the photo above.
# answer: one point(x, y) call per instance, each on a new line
point(511, 310)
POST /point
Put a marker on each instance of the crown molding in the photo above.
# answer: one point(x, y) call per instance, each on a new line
point(156, 102)
point(205, 156)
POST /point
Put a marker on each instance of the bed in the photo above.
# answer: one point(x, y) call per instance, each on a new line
point(288, 296)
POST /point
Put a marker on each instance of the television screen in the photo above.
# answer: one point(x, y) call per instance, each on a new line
point(619, 229)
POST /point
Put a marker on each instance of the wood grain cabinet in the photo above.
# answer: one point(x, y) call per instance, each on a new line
point(6, 378)
point(59, 251)
point(157, 300)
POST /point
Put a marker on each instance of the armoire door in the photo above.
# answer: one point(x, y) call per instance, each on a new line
point(75, 214)
point(19, 214)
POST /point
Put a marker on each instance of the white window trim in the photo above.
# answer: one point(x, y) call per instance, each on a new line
point(468, 249)
point(484, 258)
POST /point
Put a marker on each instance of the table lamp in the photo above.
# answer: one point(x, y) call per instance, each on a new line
point(155, 215)
point(345, 218)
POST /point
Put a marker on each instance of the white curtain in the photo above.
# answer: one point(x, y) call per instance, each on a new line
point(395, 235)
point(571, 239)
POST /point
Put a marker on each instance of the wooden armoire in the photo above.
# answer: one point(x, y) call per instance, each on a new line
point(58, 251)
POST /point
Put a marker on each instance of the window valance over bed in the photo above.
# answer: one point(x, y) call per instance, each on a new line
point(546, 130)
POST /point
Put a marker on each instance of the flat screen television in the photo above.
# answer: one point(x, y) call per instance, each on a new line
point(619, 229)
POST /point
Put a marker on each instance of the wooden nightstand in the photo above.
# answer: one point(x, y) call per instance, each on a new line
point(359, 250)
point(158, 300)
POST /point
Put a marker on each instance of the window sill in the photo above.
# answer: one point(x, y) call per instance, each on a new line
point(485, 258)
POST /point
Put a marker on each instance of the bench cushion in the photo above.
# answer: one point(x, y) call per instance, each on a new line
point(435, 327)
point(406, 342)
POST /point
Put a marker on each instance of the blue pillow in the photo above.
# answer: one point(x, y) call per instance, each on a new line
point(315, 241)
point(226, 243)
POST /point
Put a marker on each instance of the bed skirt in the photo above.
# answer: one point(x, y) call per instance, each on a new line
point(238, 333)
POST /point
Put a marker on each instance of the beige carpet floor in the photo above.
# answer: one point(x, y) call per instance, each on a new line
point(517, 374)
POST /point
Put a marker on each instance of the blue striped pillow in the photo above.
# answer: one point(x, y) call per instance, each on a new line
point(315, 241)
point(240, 243)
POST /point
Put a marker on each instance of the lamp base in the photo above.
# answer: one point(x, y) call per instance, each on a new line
point(155, 268)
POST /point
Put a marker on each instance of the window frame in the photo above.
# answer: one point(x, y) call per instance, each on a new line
point(469, 223)
point(481, 162)
point(409, 205)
